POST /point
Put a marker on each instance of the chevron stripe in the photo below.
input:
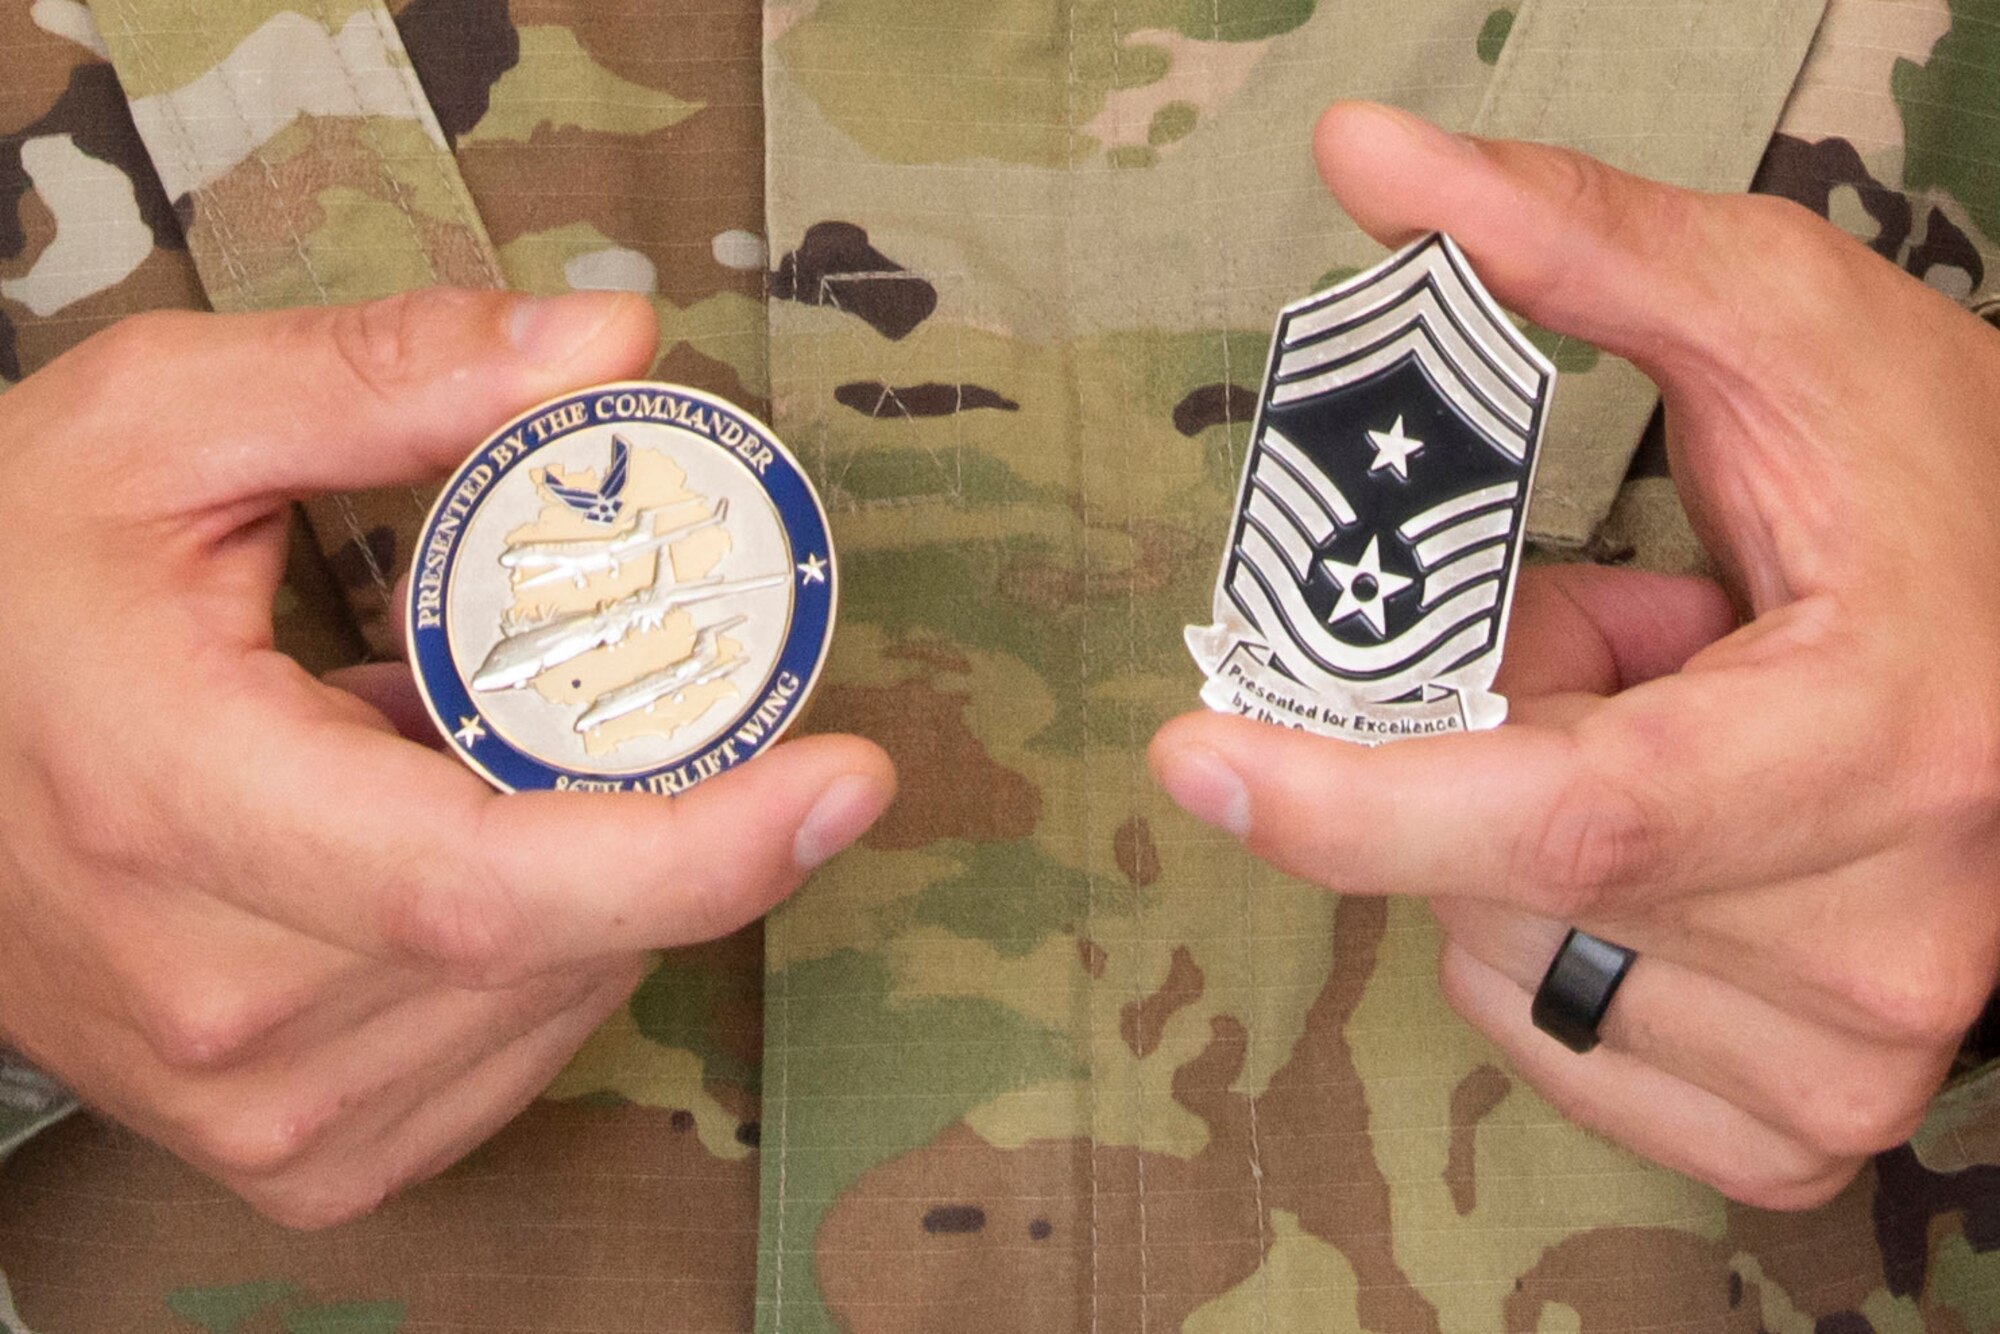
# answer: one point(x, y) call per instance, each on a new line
point(1309, 491)
point(1447, 579)
point(1457, 644)
point(1420, 308)
point(1485, 497)
point(1276, 523)
point(1436, 265)
point(1492, 526)
point(1280, 597)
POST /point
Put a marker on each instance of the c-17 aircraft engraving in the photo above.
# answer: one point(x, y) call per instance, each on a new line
point(521, 657)
point(579, 558)
point(671, 682)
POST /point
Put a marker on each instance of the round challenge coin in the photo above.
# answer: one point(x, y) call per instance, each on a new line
point(628, 588)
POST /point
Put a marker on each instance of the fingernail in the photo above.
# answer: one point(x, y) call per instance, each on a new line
point(841, 815)
point(551, 331)
point(1208, 789)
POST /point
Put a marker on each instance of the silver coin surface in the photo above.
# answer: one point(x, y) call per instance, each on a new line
point(628, 588)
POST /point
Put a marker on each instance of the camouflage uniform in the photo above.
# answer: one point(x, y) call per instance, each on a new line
point(1040, 1054)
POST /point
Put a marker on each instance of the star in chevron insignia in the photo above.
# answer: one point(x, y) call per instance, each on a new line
point(471, 731)
point(1393, 450)
point(812, 570)
point(1364, 587)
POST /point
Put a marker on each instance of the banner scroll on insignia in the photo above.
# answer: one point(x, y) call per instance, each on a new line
point(1378, 527)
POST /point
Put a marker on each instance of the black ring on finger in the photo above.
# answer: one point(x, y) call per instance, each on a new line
point(1577, 990)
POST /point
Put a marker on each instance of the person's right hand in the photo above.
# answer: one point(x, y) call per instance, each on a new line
point(238, 911)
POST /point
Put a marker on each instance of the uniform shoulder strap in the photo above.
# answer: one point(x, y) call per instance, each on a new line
point(1687, 94)
point(299, 149)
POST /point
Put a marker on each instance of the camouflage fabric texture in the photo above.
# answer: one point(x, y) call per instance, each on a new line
point(1040, 1054)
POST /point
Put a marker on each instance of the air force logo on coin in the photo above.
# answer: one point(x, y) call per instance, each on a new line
point(1377, 534)
point(630, 588)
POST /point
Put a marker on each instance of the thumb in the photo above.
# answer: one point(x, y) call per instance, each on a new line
point(295, 402)
point(1575, 245)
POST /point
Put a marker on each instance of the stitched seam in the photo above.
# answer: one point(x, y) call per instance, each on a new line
point(1545, 106)
point(1761, 109)
point(836, 481)
point(1140, 1108)
point(366, 124)
point(1220, 252)
point(264, 166)
point(1687, 49)
point(784, 1036)
point(778, 1024)
point(959, 360)
point(833, 491)
point(139, 46)
point(392, 44)
point(1526, 37)
point(343, 506)
point(397, 55)
point(1083, 658)
point(452, 183)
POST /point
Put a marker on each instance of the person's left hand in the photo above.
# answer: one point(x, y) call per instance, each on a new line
point(1795, 822)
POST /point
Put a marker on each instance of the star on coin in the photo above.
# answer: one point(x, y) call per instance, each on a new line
point(1364, 587)
point(471, 731)
point(1393, 450)
point(812, 569)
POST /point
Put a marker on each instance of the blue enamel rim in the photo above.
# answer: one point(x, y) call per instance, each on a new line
point(448, 699)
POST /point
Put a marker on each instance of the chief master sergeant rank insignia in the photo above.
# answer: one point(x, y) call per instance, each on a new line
point(629, 588)
point(1378, 527)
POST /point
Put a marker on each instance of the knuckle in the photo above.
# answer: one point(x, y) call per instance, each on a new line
point(1928, 1002)
point(259, 1138)
point(1630, 216)
point(1577, 187)
point(1596, 840)
point(386, 344)
point(465, 931)
point(1583, 187)
point(373, 342)
point(197, 1025)
point(1861, 1118)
